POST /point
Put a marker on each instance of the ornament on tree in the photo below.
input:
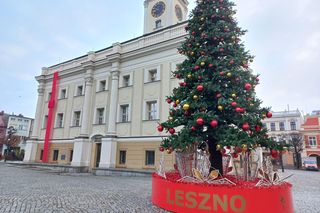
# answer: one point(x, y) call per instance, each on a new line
point(247, 86)
point(172, 130)
point(160, 128)
point(269, 114)
point(245, 126)
point(200, 88)
point(200, 121)
point(214, 123)
point(186, 106)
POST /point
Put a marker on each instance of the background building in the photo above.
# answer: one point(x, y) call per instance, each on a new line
point(281, 124)
point(311, 133)
point(110, 101)
point(3, 128)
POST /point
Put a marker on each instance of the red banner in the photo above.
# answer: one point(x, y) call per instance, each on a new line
point(188, 197)
point(51, 107)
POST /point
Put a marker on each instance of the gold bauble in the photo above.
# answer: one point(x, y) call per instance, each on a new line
point(178, 101)
point(195, 97)
point(229, 74)
point(220, 107)
point(192, 53)
point(170, 118)
point(202, 19)
point(186, 106)
point(251, 104)
point(202, 63)
point(218, 146)
point(189, 76)
point(233, 95)
point(197, 44)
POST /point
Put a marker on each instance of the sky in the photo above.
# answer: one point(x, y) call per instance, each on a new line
point(284, 37)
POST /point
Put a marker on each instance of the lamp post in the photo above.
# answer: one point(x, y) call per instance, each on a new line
point(10, 132)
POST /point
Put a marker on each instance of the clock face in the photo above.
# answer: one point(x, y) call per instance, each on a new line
point(178, 12)
point(158, 9)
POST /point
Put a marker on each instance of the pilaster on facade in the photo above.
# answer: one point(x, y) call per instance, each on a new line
point(108, 152)
point(115, 72)
point(82, 152)
point(30, 151)
point(84, 130)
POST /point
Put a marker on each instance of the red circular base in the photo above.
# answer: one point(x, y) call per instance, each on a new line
point(190, 197)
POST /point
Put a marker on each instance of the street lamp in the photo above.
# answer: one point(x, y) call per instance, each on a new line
point(10, 132)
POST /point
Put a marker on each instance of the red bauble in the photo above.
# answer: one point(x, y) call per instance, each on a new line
point(245, 126)
point(274, 153)
point(175, 105)
point(160, 128)
point(231, 61)
point(169, 101)
point(196, 67)
point(247, 86)
point(210, 65)
point(199, 77)
point(193, 33)
point(193, 128)
point(200, 88)
point(239, 110)
point(200, 121)
point(172, 130)
point(221, 73)
point(269, 114)
point(234, 104)
point(218, 95)
point(214, 123)
point(161, 149)
point(258, 128)
point(221, 50)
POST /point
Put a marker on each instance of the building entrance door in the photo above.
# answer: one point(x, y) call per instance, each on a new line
point(98, 152)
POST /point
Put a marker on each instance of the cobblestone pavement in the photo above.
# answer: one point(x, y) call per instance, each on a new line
point(34, 190)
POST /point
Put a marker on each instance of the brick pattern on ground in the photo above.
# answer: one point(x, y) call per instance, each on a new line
point(37, 190)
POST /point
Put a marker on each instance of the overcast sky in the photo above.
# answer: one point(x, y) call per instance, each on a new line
point(283, 35)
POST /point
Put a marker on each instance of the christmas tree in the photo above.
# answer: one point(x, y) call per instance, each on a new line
point(215, 107)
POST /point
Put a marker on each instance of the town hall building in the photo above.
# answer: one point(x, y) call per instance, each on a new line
point(109, 102)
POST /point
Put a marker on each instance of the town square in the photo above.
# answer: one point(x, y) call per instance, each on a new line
point(160, 106)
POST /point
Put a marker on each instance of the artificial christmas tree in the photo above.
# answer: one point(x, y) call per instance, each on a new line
point(215, 116)
point(216, 103)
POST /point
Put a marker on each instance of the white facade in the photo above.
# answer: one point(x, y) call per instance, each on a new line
point(22, 126)
point(116, 94)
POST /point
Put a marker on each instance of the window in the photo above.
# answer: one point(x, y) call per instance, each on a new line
point(49, 96)
point(76, 118)
point(79, 90)
point(63, 93)
point(20, 119)
point(281, 125)
point(45, 121)
point(41, 154)
point(55, 155)
point(158, 24)
point(293, 125)
point(312, 141)
point(22, 127)
point(100, 116)
point(71, 155)
point(152, 75)
point(102, 85)
point(151, 110)
point(124, 113)
point(59, 120)
point(150, 154)
point(273, 126)
point(126, 80)
point(13, 119)
point(122, 157)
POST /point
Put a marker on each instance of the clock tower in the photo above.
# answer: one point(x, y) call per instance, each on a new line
point(159, 14)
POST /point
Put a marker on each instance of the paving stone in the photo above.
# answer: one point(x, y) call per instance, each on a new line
point(33, 190)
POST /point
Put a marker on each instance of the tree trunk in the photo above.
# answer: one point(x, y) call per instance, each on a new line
point(215, 156)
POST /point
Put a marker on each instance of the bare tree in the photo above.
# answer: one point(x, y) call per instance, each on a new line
point(296, 142)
